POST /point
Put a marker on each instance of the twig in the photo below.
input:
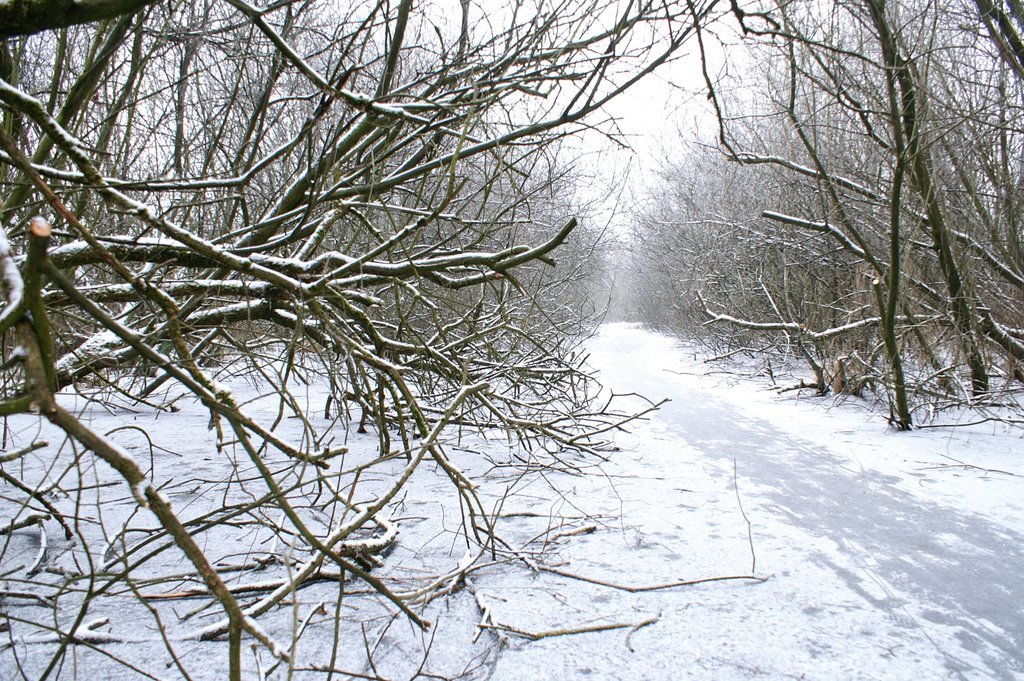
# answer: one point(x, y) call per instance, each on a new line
point(638, 627)
point(802, 385)
point(15, 525)
point(18, 453)
point(732, 353)
point(41, 554)
point(750, 529)
point(253, 587)
point(486, 618)
point(551, 633)
point(968, 466)
point(647, 587)
point(40, 497)
point(343, 672)
point(29, 596)
point(83, 634)
point(586, 529)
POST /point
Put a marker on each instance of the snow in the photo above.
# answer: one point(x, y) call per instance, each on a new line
point(95, 346)
point(15, 287)
point(945, 463)
point(910, 560)
point(857, 551)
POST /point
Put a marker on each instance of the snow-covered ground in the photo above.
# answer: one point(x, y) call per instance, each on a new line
point(845, 551)
point(889, 555)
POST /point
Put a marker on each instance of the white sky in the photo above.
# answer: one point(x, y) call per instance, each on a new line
point(654, 119)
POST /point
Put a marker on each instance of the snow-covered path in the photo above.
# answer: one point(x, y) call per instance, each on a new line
point(914, 560)
point(871, 573)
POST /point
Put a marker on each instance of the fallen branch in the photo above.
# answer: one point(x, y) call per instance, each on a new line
point(591, 629)
point(18, 453)
point(647, 587)
point(638, 627)
point(15, 525)
point(252, 587)
point(750, 528)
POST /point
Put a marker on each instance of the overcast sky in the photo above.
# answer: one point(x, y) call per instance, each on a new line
point(655, 118)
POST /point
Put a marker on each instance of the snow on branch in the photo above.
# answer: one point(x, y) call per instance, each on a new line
point(748, 158)
point(822, 227)
point(789, 327)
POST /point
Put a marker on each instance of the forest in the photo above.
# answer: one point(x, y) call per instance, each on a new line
point(857, 206)
point(265, 266)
